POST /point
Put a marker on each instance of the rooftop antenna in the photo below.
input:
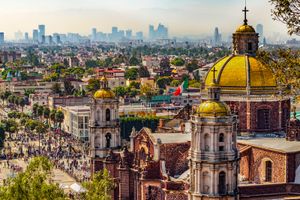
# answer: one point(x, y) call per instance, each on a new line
point(245, 13)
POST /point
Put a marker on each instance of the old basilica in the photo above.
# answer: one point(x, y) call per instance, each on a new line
point(232, 146)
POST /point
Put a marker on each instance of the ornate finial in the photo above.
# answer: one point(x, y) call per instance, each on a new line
point(245, 13)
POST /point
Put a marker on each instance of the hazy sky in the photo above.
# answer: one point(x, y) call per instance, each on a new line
point(182, 17)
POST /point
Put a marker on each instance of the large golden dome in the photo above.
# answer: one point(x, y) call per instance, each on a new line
point(232, 73)
point(245, 29)
point(104, 94)
point(212, 108)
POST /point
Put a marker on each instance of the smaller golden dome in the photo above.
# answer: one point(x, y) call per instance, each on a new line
point(104, 94)
point(245, 29)
point(213, 109)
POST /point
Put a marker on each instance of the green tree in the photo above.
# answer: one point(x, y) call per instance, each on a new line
point(162, 82)
point(34, 109)
point(92, 63)
point(40, 111)
point(191, 66)
point(93, 85)
point(21, 102)
point(27, 92)
point(46, 114)
point(10, 126)
point(120, 91)
point(131, 73)
point(33, 184)
point(175, 83)
point(287, 12)
point(69, 89)
point(59, 117)
point(178, 61)
point(56, 88)
point(100, 187)
point(52, 116)
point(148, 91)
point(143, 72)
point(133, 61)
point(2, 136)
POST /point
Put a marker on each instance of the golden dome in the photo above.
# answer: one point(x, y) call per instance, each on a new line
point(104, 94)
point(245, 29)
point(213, 109)
point(232, 74)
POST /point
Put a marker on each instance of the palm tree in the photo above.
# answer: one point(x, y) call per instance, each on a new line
point(21, 102)
point(59, 117)
point(40, 111)
point(40, 129)
point(34, 109)
point(52, 116)
point(46, 114)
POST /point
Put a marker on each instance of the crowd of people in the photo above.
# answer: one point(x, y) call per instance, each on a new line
point(66, 153)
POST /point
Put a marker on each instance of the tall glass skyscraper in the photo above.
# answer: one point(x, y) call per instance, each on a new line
point(42, 32)
point(1, 38)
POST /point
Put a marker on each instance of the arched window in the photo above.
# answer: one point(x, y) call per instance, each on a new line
point(222, 183)
point(107, 115)
point(142, 154)
point(206, 142)
point(221, 137)
point(108, 140)
point(206, 182)
point(268, 169)
point(263, 119)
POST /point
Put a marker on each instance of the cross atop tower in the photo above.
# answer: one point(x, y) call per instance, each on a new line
point(245, 14)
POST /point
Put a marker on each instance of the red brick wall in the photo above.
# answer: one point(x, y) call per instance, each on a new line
point(251, 165)
point(175, 156)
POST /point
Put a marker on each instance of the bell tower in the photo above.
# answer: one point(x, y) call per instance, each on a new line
point(104, 125)
point(214, 158)
point(245, 39)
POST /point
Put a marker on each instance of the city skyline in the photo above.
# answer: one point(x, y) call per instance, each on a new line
point(179, 16)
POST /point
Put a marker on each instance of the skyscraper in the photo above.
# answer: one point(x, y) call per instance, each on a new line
point(94, 34)
point(128, 34)
point(260, 31)
point(151, 32)
point(217, 37)
point(42, 32)
point(139, 35)
point(1, 38)
point(35, 35)
point(26, 37)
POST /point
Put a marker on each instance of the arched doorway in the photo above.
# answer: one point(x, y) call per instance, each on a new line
point(108, 140)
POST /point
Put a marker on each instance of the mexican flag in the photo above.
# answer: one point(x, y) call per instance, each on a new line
point(184, 85)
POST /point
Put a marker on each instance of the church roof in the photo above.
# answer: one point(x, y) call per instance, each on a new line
point(170, 138)
point(274, 144)
point(232, 72)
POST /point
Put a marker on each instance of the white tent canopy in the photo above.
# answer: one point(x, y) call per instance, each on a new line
point(77, 188)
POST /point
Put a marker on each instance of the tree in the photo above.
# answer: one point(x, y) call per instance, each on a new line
point(131, 73)
point(59, 117)
point(92, 63)
point(143, 72)
point(40, 111)
point(27, 92)
point(148, 91)
point(2, 136)
point(69, 89)
point(175, 83)
point(287, 12)
point(285, 65)
point(178, 61)
point(41, 129)
point(191, 66)
point(10, 126)
point(34, 183)
point(56, 88)
point(165, 63)
point(120, 91)
point(162, 82)
point(52, 116)
point(21, 102)
point(133, 61)
point(100, 187)
point(46, 114)
point(93, 85)
point(34, 109)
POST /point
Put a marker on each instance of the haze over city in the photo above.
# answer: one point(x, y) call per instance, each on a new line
point(182, 17)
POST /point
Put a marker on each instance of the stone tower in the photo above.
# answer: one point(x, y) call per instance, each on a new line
point(104, 125)
point(214, 158)
point(245, 39)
